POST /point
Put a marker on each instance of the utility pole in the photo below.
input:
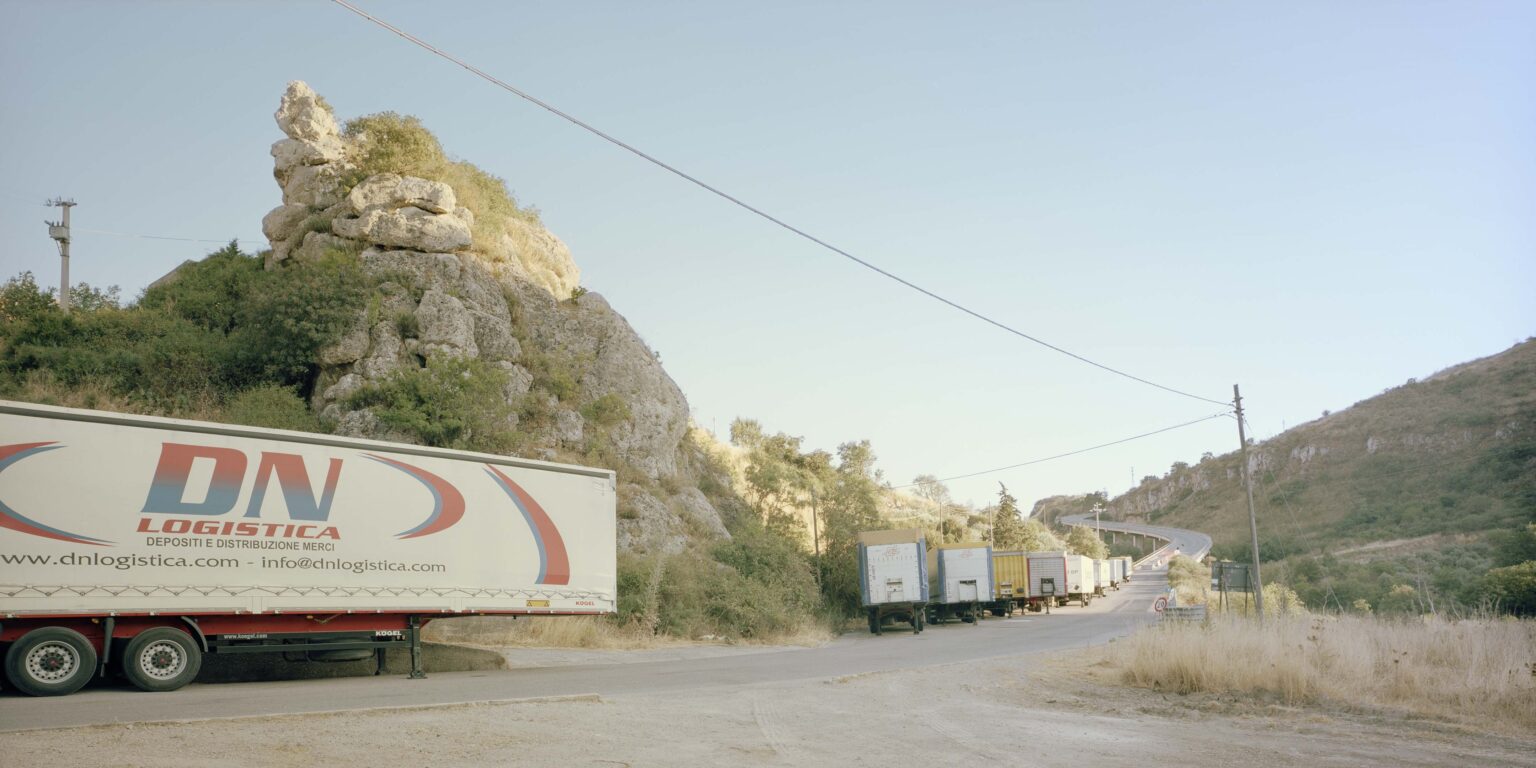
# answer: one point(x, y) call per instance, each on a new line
point(816, 537)
point(59, 231)
point(1253, 520)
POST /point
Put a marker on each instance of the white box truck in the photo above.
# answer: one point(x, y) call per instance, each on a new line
point(1055, 578)
point(893, 577)
point(960, 582)
point(1126, 566)
point(1103, 579)
point(154, 541)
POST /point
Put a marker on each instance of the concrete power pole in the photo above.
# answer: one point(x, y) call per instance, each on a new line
point(1253, 521)
point(59, 231)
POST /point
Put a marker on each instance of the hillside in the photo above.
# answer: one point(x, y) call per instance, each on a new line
point(407, 296)
point(1420, 485)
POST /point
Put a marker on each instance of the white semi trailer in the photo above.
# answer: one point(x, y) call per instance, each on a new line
point(146, 543)
point(960, 581)
point(893, 577)
point(1058, 578)
point(1103, 578)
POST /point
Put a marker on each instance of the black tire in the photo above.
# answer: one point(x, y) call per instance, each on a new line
point(874, 622)
point(50, 661)
point(161, 659)
point(921, 623)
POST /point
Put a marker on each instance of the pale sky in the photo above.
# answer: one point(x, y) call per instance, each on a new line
point(1317, 201)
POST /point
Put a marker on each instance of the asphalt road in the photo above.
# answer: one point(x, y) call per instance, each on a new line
point(1069, 627)
point(1180, 541)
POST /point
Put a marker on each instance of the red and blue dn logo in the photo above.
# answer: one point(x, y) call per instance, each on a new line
point(168, 492)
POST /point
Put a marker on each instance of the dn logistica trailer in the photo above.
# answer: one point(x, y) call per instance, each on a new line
point(893, 577)
point(146, 543)
point(1059, 577)
point(960, 581)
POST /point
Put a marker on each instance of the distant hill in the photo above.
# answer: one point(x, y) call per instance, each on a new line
point(1418, 486)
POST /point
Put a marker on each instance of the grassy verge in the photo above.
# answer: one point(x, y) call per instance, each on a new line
point(1475, 672)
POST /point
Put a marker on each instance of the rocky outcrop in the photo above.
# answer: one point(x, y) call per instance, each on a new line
point(507, 303)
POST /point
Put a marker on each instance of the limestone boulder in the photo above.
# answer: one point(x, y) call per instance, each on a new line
point(281, 222)
point(288, 154)
point(391, 191)
point(648, 524)
point(316, 244)
point(427, 270)
point(535, 255)
point(317, 186)
point(694, 505)
point(493, 337)
point(302, 114)
point(446, 325)
point(411, 228)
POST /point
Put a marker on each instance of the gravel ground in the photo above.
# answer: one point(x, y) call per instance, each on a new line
point(1045, 710)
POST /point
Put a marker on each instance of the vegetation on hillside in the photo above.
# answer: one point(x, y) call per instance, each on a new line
point(392, 143)
point(1406, 502)
point(224, 340)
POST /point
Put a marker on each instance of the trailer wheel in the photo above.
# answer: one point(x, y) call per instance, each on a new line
point(161, 659)
point(921, 624)
point(50, 661)
point(874, 622)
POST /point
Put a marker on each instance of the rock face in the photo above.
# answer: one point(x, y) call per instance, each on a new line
point(506, 303)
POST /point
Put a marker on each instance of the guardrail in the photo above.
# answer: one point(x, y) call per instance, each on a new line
point(1161, 553)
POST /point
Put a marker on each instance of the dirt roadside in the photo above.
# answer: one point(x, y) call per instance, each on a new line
point(1054, 710)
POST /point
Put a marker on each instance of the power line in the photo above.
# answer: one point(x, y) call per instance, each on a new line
point(151, 237)
point(757, 211)
point(1076, 452)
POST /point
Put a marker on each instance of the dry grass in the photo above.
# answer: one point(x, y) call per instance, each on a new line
point(542, 632)
point(1478, 672)
point(586, 632)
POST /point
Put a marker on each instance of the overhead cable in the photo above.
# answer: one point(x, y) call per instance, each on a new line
point(759, 212)
point(150, 237)
point(1076, 452)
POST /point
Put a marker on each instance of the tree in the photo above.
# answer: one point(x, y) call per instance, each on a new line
point(951, 527)
point(1035, 536)
point(851, 504)
point(1007, 525)
point(1084, 541)
point(1513, 589)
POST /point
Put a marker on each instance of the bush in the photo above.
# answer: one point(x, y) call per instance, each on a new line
point(606, 411)
point(293, 313)
point(392, 143)
point(273, 407)
point(1513, 589)
point(21, 299)
point(454, 402)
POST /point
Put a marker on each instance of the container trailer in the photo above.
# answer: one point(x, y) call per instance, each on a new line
point(1011, 573)
point(960, 581)
point(1058, 578)
point(142, 544)
point(893, 577)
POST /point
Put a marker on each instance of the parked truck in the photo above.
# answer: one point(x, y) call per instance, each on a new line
point(1126, 566)
point(893, 577)
point(1103, 579)
point(1057, 578)
point(1011, 573)
point(142, 544)
point(960, 582)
